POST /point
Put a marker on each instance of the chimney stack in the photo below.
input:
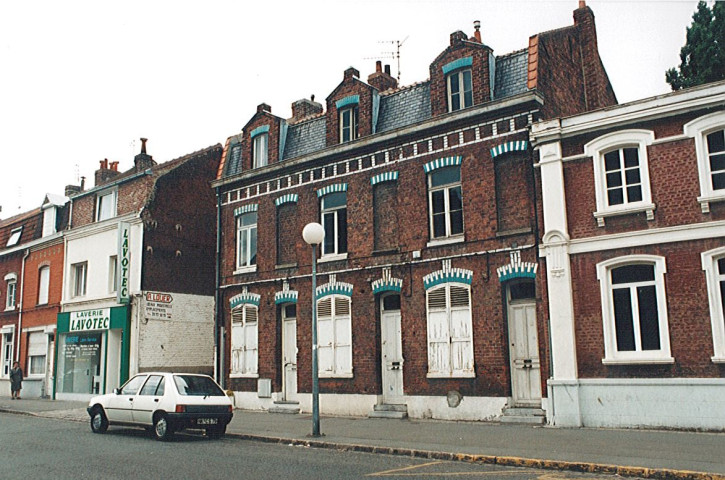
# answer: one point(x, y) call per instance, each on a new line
point(304, 108)
point(477, 33)
point(382, 80)
point(71, 190)
point(104, 174)
point(142, 161)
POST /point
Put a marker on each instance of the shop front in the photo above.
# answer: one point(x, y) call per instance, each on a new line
point(92, 354)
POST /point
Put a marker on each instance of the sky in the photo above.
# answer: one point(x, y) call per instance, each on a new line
point(81, 81)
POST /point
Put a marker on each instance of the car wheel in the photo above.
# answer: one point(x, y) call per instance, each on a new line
point(99, 422)
point(162, 428)
point(216, 432)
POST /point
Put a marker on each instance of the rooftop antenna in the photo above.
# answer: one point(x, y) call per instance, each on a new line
point(77, 173)
point(394, 55)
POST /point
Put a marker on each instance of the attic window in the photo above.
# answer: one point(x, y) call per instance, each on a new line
point(459, 83)
point(14, 236)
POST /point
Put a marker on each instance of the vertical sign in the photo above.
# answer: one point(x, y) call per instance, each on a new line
point(124, 259)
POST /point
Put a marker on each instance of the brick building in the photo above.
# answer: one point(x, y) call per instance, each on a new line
point(138, 284)
point(633, 200)
point(428, 298)
point(31, 266)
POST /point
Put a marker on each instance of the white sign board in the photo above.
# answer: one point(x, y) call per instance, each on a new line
point(158, 306)
point(99, 319)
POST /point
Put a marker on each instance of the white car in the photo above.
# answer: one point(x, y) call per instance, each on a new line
point(164, 403)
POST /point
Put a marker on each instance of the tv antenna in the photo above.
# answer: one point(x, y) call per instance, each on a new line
point(395, 55)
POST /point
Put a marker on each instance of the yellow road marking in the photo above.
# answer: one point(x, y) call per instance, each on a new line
point(411, 467)
point(406, 472)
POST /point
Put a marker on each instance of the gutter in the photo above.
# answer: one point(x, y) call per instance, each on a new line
point(218, 321)
point(20, 304)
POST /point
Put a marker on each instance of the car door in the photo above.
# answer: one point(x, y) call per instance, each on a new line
point(120, 405)
point(147, 400)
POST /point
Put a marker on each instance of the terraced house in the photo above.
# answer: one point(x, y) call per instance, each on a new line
point(429, 300)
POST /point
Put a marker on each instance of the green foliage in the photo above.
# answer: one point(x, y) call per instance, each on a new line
point(703, 56)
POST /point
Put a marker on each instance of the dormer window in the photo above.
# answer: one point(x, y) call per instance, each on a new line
point(260, 146)
point(14, 236)
point(49, 216)
point(459, 83)
point(347, 112)
point(105, 206)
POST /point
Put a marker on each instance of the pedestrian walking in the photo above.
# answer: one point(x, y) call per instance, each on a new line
point(16, 381)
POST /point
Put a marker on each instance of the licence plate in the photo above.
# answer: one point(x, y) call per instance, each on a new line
point(207, 421)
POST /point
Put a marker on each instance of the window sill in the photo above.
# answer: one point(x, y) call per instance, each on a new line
point(336, 375)
point(285, 265)
point(509, 233)
point(638, 361)
point(9, 309)
point(445, 241)
point(706, 200)
point(451, 375)
point(718, 359)
point(333, 257)
point(243, 375)
point(387, 251)
point(648, 208)
point(250, 269)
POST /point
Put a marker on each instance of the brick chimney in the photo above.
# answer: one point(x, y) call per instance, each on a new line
point(382, 80)
point(457, 37)
point(263, 107)
point(351, 73)
point(305, 108)
point(105, 173)
point(477, 33)
point(142, 161)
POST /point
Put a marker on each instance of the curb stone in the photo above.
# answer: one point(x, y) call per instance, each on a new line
point(582, 467)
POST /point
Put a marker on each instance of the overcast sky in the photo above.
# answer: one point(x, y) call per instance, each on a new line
point(81, 81)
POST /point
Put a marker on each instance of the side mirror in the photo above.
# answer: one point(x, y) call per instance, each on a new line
point(117, 391)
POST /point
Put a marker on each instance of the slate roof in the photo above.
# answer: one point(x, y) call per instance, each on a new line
point(305, 137)
point(404, 107)
point(511, 74)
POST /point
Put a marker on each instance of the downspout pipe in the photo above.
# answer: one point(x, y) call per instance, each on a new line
point(218, 319)
point(20, 304)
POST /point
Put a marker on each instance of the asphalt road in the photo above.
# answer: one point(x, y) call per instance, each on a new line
point(44, 448)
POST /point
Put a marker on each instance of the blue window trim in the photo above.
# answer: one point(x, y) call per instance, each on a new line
point(334, 288)
point(517, 146)
point(288, 296)
point(454, 275)
point(289, 198)
point(442, 163)
point(337, 187)
point(244, 299)
point(456, 64)
point(245, 209)
point(349, 100)
point(384, 177)
point(259, 131)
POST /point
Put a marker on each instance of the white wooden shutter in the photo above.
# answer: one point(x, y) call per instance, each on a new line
point(461, 336)
point(343, 336)
point(325, 337)
point(250, 340)
point(438, 333)
point(237, 340)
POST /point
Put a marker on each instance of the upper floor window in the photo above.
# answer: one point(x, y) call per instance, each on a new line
point(79, 272)
point(713, 263)
point(348, 123)
point(113, 274)
point(260, 150)
point(450, 332)
point(334, 334)
point(14, 237)
point(445, 200)
point(247, 240)
point(333, 212)
point(709, 134)
point(621, 173)
point(244, 340)
point(49, 219)
point(460, 90)
point(634, 310)
point(12, 282)
point(43, 285)
point(106, 206)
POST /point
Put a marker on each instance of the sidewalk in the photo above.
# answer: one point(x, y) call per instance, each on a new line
point(633, 453)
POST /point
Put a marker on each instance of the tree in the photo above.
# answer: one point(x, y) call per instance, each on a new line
point(703, 56)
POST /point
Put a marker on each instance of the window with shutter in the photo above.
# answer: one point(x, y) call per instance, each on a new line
point(450, 335)
point(37, 350)
point(244, 358)
point(334, 336)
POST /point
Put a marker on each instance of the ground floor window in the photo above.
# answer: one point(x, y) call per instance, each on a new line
point(244, 340)
point(450, 332)
point(713, 263)
point(37, 352)
point(7, 354)
point(79, 362)
point(334, 336)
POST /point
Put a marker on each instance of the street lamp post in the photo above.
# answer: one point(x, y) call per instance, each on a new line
point(313, 234)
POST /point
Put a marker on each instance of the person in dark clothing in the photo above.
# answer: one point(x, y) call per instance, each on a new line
point(16, 381)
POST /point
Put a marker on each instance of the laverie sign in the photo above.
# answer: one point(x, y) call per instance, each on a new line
point(99, 319)
point(124, 259)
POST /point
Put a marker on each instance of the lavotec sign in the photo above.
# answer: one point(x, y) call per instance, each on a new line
point(124, 259)
point(99, 319)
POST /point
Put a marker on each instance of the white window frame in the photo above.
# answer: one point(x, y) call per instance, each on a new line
point(449, 236)
point(461, 93)
point(260, 150)
point(611, 355)
point(49, 218)
point(11, 291)
point(717, 316)
point(7, 341)
point(699, 129)
point(335, 344)
point(111, 196)
point(14, 237)
point(434, 337)
point(245, 342)
point(353, 112)
point(43, 284)
point(597, 148)
point(113, 274)
point(333, 213)
point(247, 232)
point(79, 279)
point(32, 352)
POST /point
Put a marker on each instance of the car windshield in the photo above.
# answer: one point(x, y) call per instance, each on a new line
point(197, 385)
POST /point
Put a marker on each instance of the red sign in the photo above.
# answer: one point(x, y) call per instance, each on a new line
point(158, 297)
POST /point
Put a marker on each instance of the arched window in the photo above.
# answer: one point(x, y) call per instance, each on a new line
point(244, 340)
point(334, 335)
point(450, 333)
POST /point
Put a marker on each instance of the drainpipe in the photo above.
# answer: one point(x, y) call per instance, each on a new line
point(20, 304)
point(218, 322)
